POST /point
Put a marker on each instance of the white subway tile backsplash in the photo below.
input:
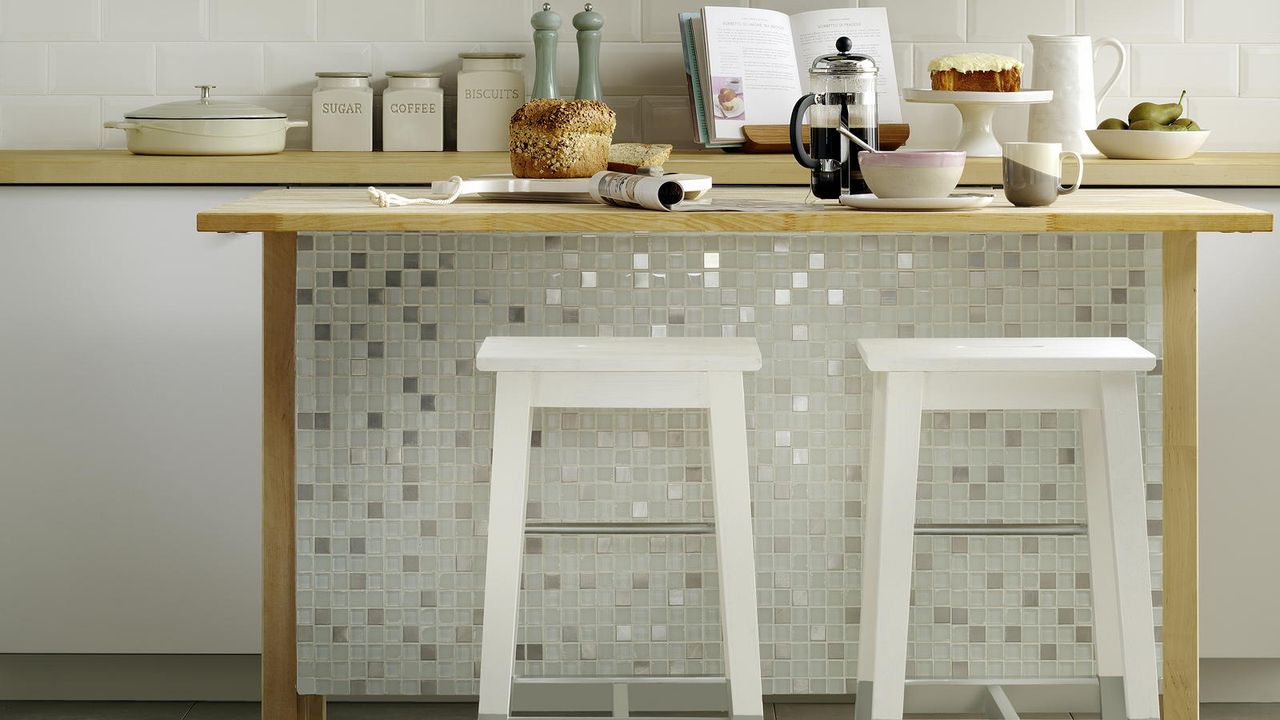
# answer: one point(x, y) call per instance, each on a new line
point(1014, 20)
point(904, 63)
point(31, 121)
point(443, 58)
point(368, 20)
point(1131, 20)
point(933, 127)
point(658, 21)
point(792, 7)
point(1240, 21)
point(630, 121)
point(102, 68)
point(291, 67)
point(668, 120)
point(1201, 70)
point(1238, 123)
point(49, 20)
point(629, 69)
point(1260, 71)
point(24, 68)
point(483, 21)
point(622, 19)
point(235, 68)
point(169, 20)
point(924, 20)
point(263, 20)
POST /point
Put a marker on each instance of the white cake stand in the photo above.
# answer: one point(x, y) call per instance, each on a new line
point(976, 112)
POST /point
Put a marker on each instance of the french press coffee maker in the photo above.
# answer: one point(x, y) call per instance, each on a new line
point(842, 92)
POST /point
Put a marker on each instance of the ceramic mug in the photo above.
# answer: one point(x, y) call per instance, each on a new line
point(1033, 173)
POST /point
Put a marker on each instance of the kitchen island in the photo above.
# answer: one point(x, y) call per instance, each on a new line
point(281, 215)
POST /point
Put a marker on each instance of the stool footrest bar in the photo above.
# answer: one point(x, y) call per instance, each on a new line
point(1055, 529)
point(623, 680)
point(619, 528)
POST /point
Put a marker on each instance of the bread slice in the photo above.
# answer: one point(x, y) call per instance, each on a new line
point(629, 157)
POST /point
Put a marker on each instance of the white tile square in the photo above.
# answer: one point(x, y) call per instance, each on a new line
point(658, 18)
point(1164, 71)
point(50, 122)
point(923, 20)
point(102, 69)
point(484, 21)
point(1260, 71)
point(622, 19)
point(154, 20)
point(24, 68)
point(1233, 21)
point(1014, 20)
point(291, 67)
point(262, 20)
point(371, 20)
point(49, 20)
point(1131, 20)
point(236, 68)
point(1249, 123)
point(791, 7)
point(668, 120)
point(630, 121)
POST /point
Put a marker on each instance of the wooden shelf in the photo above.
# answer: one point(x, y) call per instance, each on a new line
point(302, 167)
point(349, 209)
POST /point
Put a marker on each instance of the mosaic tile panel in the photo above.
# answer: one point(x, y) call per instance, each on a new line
point(395, 428)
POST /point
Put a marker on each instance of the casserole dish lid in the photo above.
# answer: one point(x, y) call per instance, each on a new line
point(204, 108)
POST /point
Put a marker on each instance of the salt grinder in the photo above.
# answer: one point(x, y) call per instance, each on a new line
point(546, 33)
point(588, 22)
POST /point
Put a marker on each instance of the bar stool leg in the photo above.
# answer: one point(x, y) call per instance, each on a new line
point(1102, 568)
point(1123, 442)
point(897, 407)
point(508, 485)
point(734, 547)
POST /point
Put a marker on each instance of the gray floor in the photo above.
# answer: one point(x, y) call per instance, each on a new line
point(14, 710)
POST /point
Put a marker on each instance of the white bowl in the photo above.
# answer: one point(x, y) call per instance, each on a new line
point(1148, 144)
point(912, 173)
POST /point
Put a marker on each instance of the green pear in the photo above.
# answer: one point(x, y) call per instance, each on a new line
point(1113, 124)
point(1184, 123)
point(1162, 113)
point(1148, 125)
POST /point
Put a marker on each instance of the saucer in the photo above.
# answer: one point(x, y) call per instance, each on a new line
point(958, 201)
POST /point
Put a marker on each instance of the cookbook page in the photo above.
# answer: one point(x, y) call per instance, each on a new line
point(751, 65)
point(816, 32)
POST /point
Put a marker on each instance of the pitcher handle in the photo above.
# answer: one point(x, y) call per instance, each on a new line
point(1115, 76)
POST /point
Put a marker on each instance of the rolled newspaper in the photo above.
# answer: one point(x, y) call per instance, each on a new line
point(636, 191)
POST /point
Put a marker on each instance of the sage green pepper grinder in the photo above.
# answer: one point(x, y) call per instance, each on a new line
point(546, 33)
point(588, 22)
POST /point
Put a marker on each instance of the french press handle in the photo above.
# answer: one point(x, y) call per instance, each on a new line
point(797, 132)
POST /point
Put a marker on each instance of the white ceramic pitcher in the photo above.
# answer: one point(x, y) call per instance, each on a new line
point(1064, 64)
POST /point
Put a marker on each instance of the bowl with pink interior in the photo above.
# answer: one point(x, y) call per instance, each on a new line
point(912, 173)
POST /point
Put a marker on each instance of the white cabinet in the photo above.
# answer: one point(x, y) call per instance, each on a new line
point(130, 381)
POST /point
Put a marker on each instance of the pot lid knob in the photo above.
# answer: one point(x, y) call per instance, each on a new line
point(204, 92)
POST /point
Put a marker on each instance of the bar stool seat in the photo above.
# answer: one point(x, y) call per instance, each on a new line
point(580, 372)
point(1096, 376)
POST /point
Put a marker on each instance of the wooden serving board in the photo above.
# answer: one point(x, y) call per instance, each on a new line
point(777, 138)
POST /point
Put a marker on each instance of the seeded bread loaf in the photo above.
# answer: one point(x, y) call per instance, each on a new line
point(561, 138)
point(979, 72)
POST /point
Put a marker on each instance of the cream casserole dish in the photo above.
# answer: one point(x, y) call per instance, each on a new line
point(205, 127)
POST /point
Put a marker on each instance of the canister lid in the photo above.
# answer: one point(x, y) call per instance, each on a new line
point(843, 62)
point(343, 74)
point(490, 55)
point(413, 74)
point(203, 108)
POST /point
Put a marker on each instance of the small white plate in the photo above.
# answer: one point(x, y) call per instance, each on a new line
point(958, 201)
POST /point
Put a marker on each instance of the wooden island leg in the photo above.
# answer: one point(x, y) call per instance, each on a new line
point(1181, 515)
point(280, 699)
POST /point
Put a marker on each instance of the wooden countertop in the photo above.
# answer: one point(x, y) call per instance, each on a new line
point(1099, 210)
point(302, 167)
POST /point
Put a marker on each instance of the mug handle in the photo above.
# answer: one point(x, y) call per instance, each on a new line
point(1115, 76)
point(1068, 189)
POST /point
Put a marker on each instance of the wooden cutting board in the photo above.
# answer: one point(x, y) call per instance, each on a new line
point(777, 138)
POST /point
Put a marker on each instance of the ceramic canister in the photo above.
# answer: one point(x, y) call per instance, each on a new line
point(490, 90)
point(342, 112)
point(412, 111)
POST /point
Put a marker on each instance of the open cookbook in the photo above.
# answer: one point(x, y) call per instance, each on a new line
point(750, 65)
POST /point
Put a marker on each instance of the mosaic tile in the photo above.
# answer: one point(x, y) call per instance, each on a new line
point(395, 425)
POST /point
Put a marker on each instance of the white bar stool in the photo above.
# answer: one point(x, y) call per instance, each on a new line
point(1096, 376)
point(595, 372)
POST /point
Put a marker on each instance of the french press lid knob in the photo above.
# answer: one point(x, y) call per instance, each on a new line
point(843, 61)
